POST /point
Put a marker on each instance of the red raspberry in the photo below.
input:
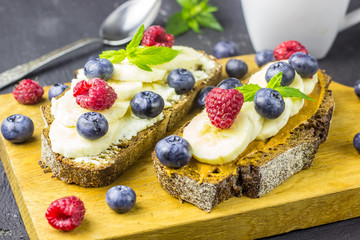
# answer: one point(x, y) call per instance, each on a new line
point(28, 92)
point(156, 36)
point(223, 105)
point(285, 49)
point(94, 94)
point(65, 213)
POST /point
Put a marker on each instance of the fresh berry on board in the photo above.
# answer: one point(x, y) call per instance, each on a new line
point(236, 68)
point(92, 125)
point(56, 90)
point(264, 56)
point(356, 142)
point(229, 83)
point(304, 64)
point(99, 68)
point(173, 151)
point(156, 36)
point(288, 72)
point(147, 104)
point(357, 88)
point(223, 105)
point(269, 103)
point(181, 80)
point(66, 213)
point(120, 198)
point(94, 94)
point(200, 97)
point(28, 92)
point(285, 49)
point(17, 128)
point(225, 49)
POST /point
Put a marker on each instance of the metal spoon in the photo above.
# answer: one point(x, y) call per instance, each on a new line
point(117, 29)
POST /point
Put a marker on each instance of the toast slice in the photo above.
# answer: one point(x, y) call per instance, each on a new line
point(118, 157)
point(262, 166)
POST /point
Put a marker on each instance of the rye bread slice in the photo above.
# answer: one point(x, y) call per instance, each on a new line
point(258, 172)
point(117, 158)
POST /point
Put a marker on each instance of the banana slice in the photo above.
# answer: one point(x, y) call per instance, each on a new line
point(125, 90)
point(130, 73)
point(272, 126)
point(256, 120)
point(218, 146)
point(259, 77)
point(309, 84)
point(298, 103)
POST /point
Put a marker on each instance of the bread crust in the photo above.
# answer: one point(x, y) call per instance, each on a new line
point(122, 156)
point(255, 180)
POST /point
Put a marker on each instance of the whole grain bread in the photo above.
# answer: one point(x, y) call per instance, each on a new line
point(117, 158)
point(258, 172)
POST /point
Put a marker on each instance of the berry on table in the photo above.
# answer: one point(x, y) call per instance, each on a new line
point(28, 92)
point(120, 198)
point(269, 103)
point(264, 56)
point(173, 151)
point(156, 36)
point(357, 88)
point(92, 125)
point(181, 80)
point(288, 72)
point(304, 64)
point(94, 94)
point(356, 142)
point(285, 49)
point(223, 105)
point(99, 68)
point(200, 97)
point(236, 68)
point(147, 104)
point(66, 213)
point(225, 49)
point(229, 83)
point(56, 90)
point(17, 128)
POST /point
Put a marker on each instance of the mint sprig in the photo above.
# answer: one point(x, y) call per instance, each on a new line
point(249, 90)
point(142, 57)
point(194, 15)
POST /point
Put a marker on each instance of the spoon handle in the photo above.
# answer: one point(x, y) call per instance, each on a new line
point(20, 71)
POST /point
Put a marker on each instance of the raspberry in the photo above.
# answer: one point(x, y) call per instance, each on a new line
point(223, 105)
point(28, 92)
point(94, 94)
point(285, 49)
point(156, 36)
point(65, 213)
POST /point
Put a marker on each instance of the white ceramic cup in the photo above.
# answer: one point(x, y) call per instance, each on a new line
point(314, 23)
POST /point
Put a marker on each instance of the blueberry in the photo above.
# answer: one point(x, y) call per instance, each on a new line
point(92, 125)
point(120, 198)
point(182, 80)
point(200, 98)
point(147, 104)
point(17, 128)
point(356, 142)
point(269, 103)
point(288, 72)
point(229, 83)
point(236, 68)
point(225, 49)
point(173, 151)
point(357, 88)
point(264, 56)
point(56, 90)
point(304, 64)
point(99, 68)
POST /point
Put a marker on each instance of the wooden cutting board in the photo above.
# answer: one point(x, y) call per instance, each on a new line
point(327, 192)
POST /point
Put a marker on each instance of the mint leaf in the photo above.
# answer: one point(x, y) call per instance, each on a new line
point(141, 65)
point(113, 55)
point(135, 42)
point(275, 81)
point(194, 25)
point(249, 91)
point(292, 92)
point(208, 20)
point(176, 25)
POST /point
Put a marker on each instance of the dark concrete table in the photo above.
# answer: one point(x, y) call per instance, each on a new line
point(29, 29)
